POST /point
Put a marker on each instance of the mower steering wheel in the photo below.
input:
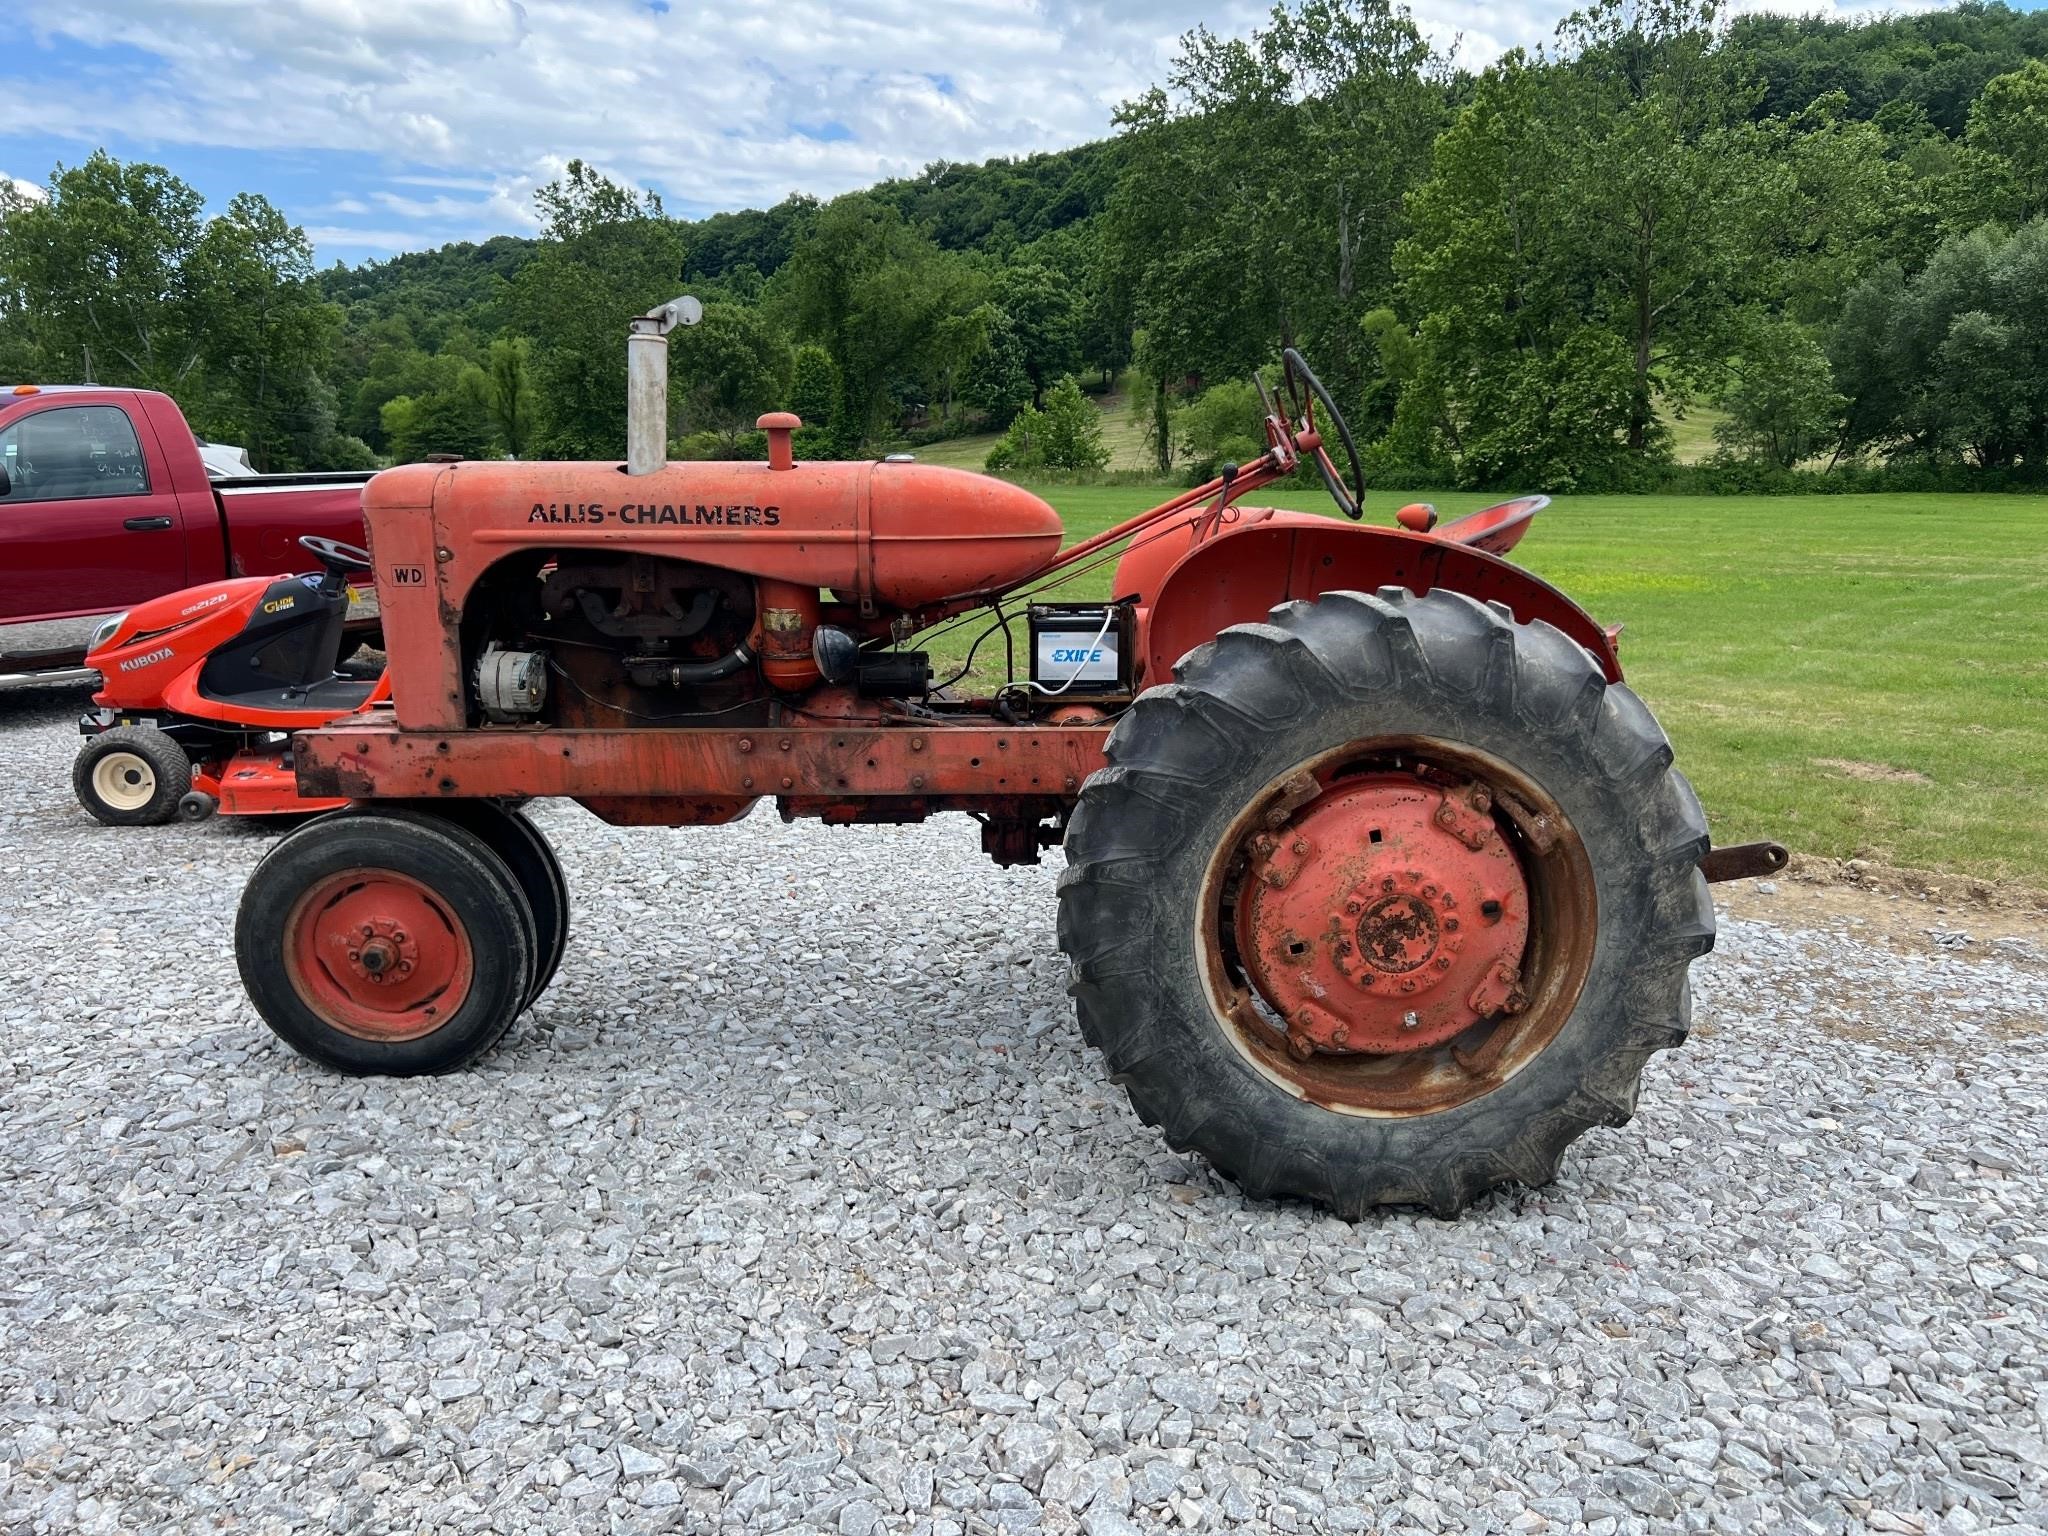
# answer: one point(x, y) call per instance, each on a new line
point(1305, 392)
point(334, 554)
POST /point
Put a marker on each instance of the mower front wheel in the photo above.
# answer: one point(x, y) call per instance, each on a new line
point(385, 944)
point(131, 776)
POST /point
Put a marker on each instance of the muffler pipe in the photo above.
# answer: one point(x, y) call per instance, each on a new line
point(647, 382)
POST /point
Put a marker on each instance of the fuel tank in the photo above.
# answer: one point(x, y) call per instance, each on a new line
point(901, 535)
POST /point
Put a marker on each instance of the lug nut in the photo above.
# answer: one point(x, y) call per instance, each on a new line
point(1410, 1020)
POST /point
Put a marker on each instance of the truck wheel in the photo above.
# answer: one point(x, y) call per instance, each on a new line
point(131, 776)
point(1385, 901)
point(385, 944)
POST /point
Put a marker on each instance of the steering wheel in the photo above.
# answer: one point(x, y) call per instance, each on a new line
point(1305, 392)
point(334, 554)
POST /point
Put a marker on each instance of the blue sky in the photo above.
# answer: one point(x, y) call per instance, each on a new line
point(388, 125)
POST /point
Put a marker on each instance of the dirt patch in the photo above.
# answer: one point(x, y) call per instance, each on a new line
point(1871, 773)
point(1910, 908)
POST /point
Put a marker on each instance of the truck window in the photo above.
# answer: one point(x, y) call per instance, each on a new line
point(73, 452)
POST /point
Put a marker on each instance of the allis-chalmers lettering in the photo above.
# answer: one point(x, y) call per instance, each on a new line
point(641, 514)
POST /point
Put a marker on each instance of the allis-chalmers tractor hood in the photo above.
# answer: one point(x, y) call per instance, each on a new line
point(901, 534)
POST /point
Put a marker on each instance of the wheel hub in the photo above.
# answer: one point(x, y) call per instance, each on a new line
point(385, 954)
point(1386, 915)
point(378, 954)
point(124, 780)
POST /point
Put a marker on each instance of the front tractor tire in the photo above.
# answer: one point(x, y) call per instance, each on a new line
point(389, 944)
point(1385, 901)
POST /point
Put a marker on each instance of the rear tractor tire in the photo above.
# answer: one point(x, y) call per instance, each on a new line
point(394, 944)
point(1385, 901)
point(131, 776)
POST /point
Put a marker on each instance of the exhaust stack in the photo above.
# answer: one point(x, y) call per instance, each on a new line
point(647, 382)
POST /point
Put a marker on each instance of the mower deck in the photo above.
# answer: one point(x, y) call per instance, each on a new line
point(259, 784)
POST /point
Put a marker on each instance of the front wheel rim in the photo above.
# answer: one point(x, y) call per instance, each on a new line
point(124, 781)
point(378, 955)
point(1399, 998)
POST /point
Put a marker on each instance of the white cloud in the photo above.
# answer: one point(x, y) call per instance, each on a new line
point(714, 107)
point(475, 101)
point(28, 189)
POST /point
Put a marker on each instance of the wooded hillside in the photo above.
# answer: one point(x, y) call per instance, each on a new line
point(1827, 236)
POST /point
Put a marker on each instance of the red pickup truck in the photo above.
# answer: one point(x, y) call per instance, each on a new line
point(105, 502)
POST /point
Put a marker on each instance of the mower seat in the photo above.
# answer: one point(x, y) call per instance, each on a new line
point(284, 658)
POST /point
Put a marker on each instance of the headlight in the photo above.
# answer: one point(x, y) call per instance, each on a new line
point(106, 631)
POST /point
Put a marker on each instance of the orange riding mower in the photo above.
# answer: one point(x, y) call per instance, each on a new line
point(201, 690)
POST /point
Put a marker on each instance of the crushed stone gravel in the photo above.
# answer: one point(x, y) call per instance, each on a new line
point(797, 1204)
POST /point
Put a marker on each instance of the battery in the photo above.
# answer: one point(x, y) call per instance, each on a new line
point(1081, 647)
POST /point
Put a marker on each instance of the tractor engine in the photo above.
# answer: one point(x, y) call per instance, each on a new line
point(609, 640)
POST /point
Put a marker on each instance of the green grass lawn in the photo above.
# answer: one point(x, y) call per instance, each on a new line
point(1856, 676)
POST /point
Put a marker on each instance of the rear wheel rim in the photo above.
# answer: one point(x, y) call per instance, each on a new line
point(124, 781)
point(376, 954)
point(1399, 998)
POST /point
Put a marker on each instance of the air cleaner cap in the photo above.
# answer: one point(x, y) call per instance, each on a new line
point(778, 425)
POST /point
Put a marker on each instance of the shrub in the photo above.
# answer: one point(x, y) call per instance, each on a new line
point(1065, 435)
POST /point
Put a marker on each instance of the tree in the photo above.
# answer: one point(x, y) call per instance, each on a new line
point(1665, 194)
point(814, 397)
point(873, 292)
point(957, 344)
point(607, 254)
point(266, 333)
point(1781, 400)
point(452, 414)
point(1225, 423)
point(1621, 191)
point(1044, 321)
point(116, 278)
point(1952, 361)
point(1263, 190)
point(510, 400)
point(1066, 435)
point(728, 369)
point(101, 265)
point(2004, 174)
point(1070, 429)
point(996, 383)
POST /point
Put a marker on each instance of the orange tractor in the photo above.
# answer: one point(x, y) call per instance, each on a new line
point(1380, 885)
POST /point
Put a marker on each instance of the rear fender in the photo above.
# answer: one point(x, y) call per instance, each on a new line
point(1239, 576)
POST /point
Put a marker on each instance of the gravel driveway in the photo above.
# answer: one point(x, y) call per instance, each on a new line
point(798, 1204)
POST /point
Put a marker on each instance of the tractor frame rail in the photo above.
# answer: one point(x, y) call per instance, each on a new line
point(840, 762)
